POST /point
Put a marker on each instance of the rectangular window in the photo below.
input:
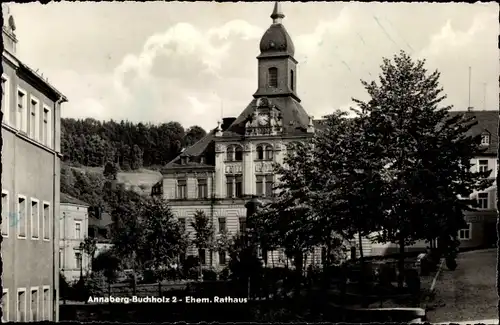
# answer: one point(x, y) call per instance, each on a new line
point(222, 257)
point(21, 305)
point(34, 121)
point(21, 118)
point(465, 234)
point(243, 224)
point(34, 305)
point(202, 256)
point(269, 185)
point(5, 213)
point(46, 221)
point(260, 185)
point(46, 303)
point(5, 99)
point(229, 186)
point(46, 133)
point(222, 224)
point(78, 259)
point(78, 230)
point(202, 188)
point(35, 219)
point(21, 216)
point(61, 255)
point(5, 305)
point(238, 185)
point(482, 199)
point(181, 189)
point(483, 165)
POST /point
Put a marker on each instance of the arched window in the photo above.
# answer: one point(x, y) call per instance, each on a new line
point(260, 153)
point(291, 79)
point(238, 154)
point(269, 152)
point(273, 77)
point(230, 153)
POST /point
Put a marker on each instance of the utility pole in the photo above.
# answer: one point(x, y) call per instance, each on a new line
point(484, 96)
point(469, 108)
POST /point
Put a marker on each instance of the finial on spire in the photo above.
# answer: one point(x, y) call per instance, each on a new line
point(277, 14)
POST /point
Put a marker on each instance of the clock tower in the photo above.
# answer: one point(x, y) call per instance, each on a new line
point(277, 68)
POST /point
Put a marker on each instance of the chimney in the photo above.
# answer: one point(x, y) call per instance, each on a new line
point(8, 30)
point(226, 122)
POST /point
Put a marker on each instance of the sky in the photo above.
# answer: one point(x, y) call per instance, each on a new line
point(195, 62)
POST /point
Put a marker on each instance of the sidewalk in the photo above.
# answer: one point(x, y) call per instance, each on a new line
point(473, 322)
point(467, 295)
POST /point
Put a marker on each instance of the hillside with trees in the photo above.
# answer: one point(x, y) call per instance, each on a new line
point(92, 143)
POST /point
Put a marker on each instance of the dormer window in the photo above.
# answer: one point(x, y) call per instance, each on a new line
point(485, 139)
point(202, 160)
point(273, 77)
point(183, 160)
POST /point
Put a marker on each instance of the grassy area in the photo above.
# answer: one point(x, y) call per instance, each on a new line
point(140, 180)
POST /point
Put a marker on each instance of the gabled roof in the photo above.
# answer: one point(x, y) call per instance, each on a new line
point(68, 199)
point(487, 121)
point(294, 117)
point(196, 150)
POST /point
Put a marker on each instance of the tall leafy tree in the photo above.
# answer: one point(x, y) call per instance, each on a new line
point(426, 154)
point(89, 247)
point(204, 234)
point(163, 238)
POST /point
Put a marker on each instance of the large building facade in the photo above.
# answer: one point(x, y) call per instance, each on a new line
point(31, 110)
point(73, 226)
point(221, 172)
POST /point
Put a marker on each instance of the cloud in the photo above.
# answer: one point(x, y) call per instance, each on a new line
point(449, 39)
point(187, 62)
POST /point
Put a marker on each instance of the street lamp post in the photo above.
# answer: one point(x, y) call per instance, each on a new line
point(252, 206)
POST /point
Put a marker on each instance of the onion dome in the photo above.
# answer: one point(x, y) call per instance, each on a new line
point(276, 40)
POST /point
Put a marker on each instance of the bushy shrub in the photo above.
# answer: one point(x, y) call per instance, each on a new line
point(412, 280)
point(95, 284)
point(224, 274)
point(64, 287)
point(191, 267)
point(149, 276)
point(209, 274)
point(451, 263)
point(387, 274)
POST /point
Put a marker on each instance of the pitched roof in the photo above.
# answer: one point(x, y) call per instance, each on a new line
point(487, 121)
point(102, 222)
point(68, 199)
point(294, 117)
point(196, 150)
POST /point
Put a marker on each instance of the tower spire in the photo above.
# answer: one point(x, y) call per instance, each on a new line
point(277, 14)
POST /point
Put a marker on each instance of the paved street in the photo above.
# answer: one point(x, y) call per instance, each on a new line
point(469, 292)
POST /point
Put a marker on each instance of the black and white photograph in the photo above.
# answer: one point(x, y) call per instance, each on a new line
point(250, 162)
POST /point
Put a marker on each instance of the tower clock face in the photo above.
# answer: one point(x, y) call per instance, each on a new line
point(263, 119)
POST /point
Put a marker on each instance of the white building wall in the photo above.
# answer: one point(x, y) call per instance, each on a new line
point(69, 243)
